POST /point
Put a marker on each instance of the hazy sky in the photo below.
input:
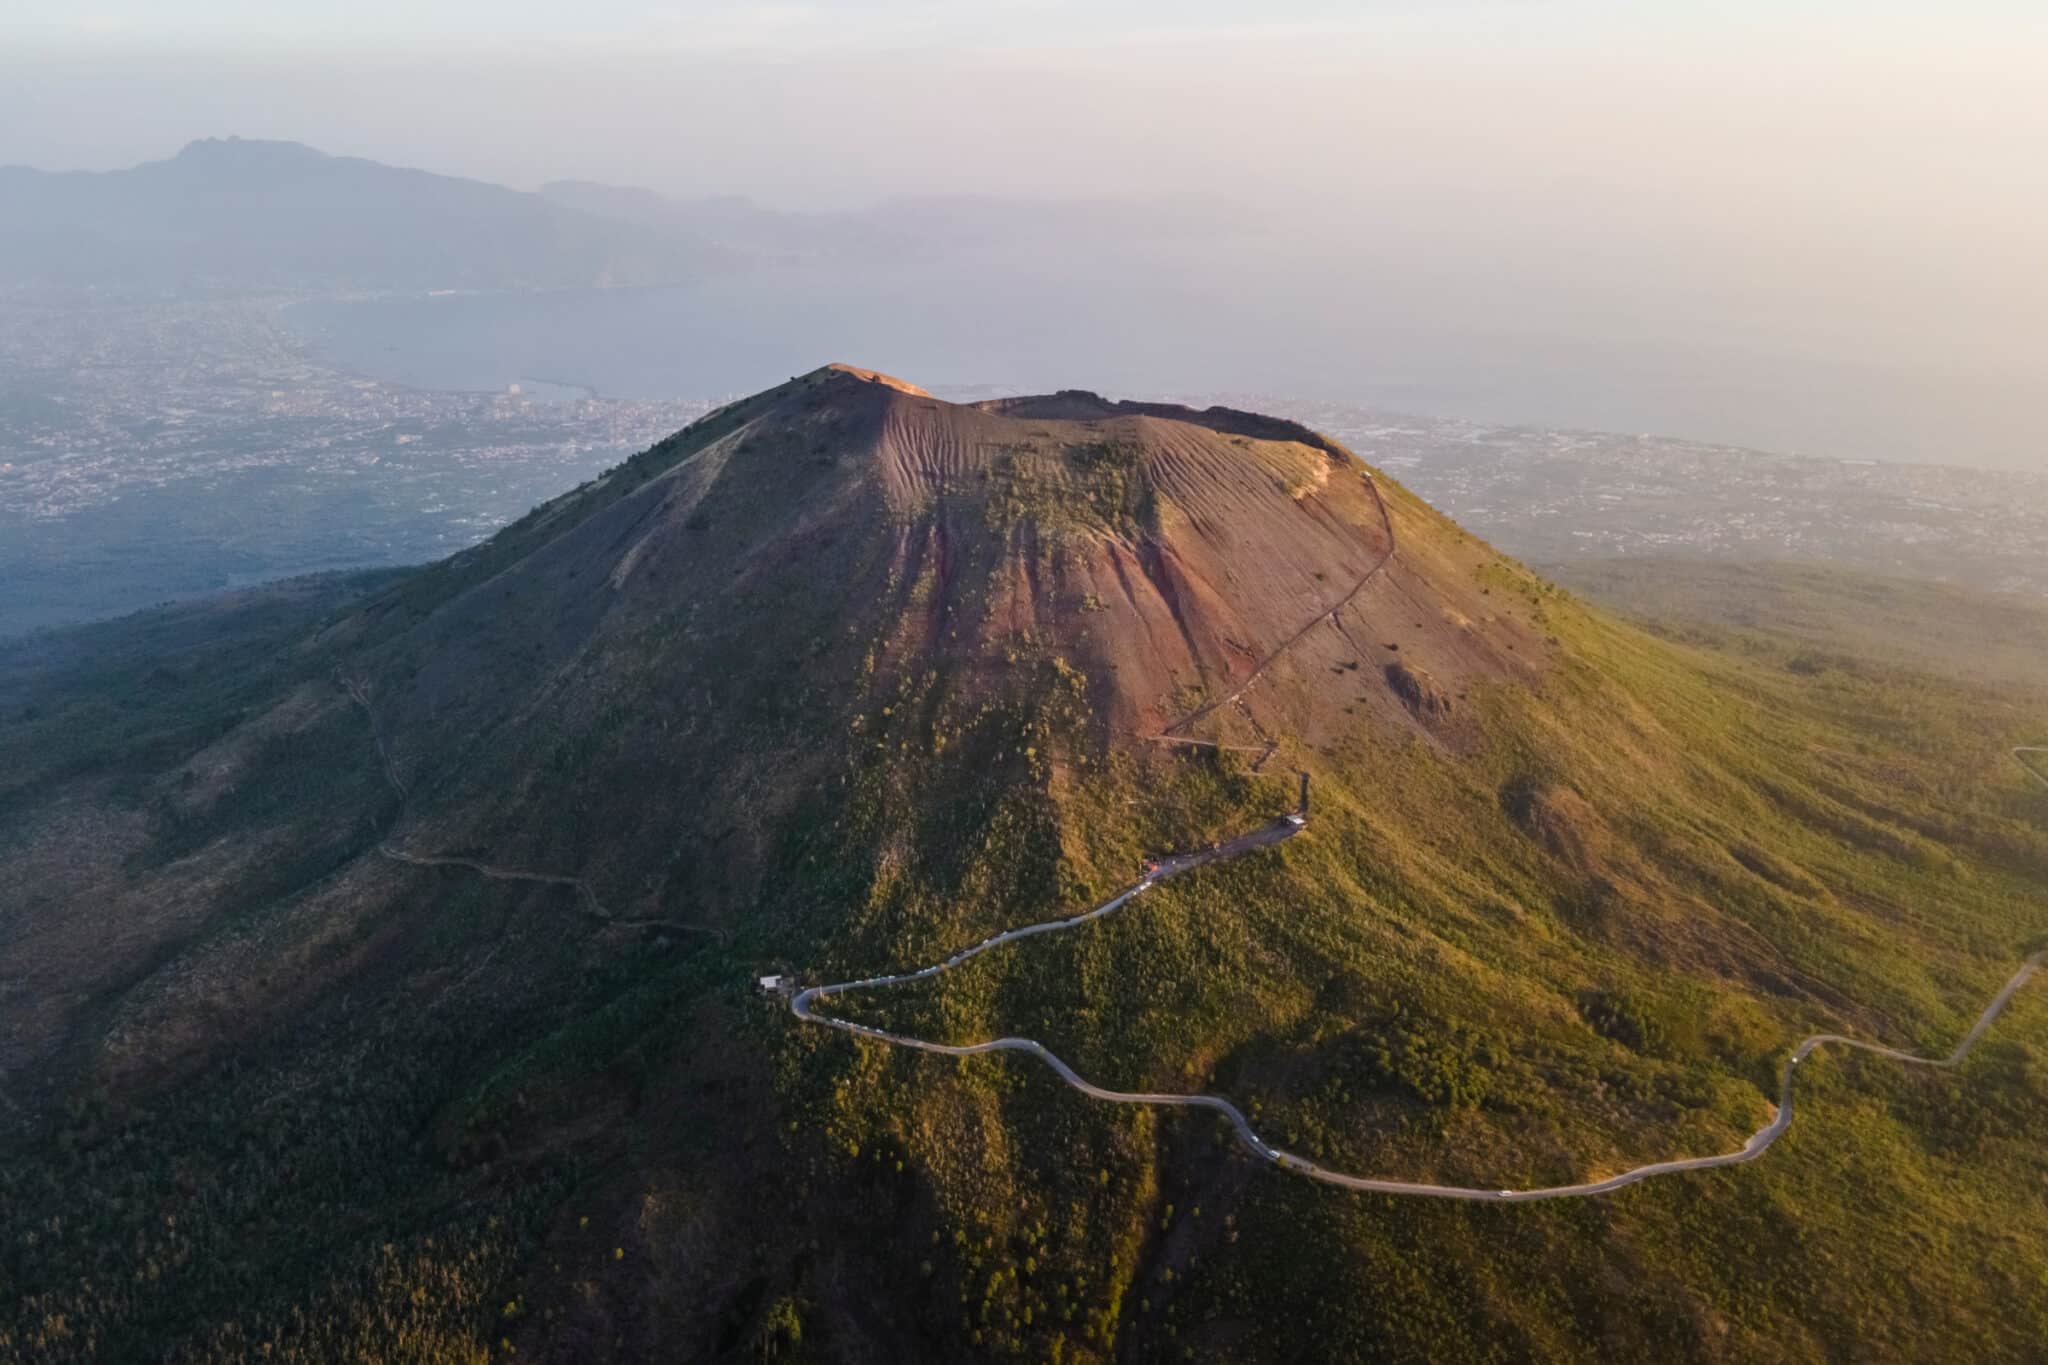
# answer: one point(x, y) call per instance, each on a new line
point(1854, 182)
point(868, 23)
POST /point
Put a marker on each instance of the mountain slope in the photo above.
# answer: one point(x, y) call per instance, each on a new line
point(406, 964)
point(843, 529)
point(1937, 627)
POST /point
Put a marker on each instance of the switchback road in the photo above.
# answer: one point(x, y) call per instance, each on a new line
point(1265, 837)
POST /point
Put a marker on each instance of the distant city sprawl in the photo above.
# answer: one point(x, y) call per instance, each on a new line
point(1558, 496)
point(158, 449)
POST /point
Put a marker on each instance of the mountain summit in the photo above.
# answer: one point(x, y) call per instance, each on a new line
point(760, 578)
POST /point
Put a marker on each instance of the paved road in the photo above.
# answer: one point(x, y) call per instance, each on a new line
point(1265, 837)
point(1759, 1142)
point(1171, 866)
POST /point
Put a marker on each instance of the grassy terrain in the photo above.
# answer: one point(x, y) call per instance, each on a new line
point(1934, 627)
point(1487, 983)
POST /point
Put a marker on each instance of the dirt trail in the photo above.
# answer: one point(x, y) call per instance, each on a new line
point(358, 690)
point(1330, 615)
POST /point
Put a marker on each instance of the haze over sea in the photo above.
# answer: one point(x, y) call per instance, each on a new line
point(1167, 322)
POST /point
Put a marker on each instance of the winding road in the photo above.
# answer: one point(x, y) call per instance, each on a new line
point(1759, 1142)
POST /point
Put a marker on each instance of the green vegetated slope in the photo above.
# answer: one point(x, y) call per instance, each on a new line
point(1934, 627)
point(852, 678)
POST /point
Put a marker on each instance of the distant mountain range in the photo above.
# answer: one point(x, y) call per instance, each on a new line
point(238, 214)
point(243, 214)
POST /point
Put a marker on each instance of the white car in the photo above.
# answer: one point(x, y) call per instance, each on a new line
point(1297, 820)
point(1507, 1194)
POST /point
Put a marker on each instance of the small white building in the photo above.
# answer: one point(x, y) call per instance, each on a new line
point(770, 984)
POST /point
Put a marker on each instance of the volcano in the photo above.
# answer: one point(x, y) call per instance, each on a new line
point(382, 954)
point(766, 573)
